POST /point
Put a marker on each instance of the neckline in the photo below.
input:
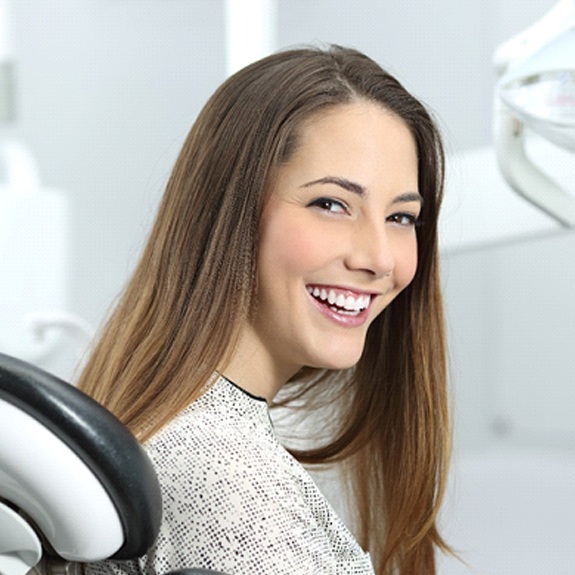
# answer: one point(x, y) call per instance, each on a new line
point(244, 391)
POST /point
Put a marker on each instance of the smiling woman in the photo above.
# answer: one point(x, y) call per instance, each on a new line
point(294, 256)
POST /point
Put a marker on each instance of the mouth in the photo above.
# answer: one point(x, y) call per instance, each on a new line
point(339, 301)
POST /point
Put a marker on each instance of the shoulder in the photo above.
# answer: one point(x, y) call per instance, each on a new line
point(214, 443)
point(235, 501)
point(212, 433)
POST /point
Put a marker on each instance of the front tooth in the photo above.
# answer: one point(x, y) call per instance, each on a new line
point(340, 301)
point(331, 297)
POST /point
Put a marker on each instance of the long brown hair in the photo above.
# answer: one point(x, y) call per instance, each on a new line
point(179, 315)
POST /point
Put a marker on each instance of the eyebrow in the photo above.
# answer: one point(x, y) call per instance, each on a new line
point(341, 182)
point(360, 190)
point(408, 197)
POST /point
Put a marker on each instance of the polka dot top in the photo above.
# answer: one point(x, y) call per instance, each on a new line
point(235, 501)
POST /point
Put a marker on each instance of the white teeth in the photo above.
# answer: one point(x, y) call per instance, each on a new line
point(349, 303)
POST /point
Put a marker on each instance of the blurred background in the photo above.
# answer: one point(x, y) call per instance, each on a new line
point(104, 94)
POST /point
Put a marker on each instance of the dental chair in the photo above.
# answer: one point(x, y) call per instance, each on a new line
point(75, 485)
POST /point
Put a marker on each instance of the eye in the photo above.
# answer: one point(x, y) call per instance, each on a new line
point(405, 219)
point(330, 205)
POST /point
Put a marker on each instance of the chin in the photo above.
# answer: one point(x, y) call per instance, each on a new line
point(338, 361)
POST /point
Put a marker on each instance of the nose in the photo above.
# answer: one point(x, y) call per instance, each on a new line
point(371, 250)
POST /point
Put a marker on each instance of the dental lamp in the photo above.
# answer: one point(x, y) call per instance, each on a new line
point(536, 91)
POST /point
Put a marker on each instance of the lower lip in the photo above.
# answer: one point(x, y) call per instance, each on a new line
point(340, 318)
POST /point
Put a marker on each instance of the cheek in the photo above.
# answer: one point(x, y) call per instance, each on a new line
point(290, 248)
point(405, 271)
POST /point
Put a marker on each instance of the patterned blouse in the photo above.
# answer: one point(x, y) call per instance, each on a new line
point(235, 501)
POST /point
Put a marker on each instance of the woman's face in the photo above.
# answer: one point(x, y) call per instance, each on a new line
point(337, 244)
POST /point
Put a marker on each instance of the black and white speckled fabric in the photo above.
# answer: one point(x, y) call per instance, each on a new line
point(236, 501)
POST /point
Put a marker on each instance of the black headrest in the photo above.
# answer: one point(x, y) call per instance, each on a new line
point(105, 445)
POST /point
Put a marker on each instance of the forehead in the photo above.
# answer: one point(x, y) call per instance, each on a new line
point(357, 112)
point(361, 140)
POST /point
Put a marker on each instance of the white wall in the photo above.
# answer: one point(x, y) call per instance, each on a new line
point(108, 90)
point(510, 312)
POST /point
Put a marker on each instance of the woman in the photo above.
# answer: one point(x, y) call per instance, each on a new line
point(295, 248)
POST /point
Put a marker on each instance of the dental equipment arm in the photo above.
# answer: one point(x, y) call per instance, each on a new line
point(537, 90)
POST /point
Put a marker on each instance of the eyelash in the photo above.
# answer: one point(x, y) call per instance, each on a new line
point(409, 219)
point(406, 219)
point(326, 204)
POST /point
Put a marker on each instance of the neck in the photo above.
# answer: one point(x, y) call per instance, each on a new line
point(256, 372)
point(254, 379)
